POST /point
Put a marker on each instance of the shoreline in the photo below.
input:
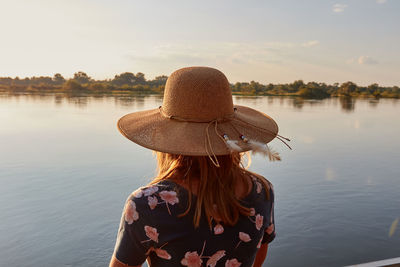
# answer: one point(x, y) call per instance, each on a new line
point(80, 93)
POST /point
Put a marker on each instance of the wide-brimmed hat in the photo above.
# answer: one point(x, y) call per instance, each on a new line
point(198, 118)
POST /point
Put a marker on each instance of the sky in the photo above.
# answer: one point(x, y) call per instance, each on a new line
point(276, 41)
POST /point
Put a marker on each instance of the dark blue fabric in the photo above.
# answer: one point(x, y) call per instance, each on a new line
point(150, 227)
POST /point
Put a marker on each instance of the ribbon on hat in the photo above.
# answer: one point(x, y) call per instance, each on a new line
point(232, 145)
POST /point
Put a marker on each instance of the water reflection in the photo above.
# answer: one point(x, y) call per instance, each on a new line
point(298, 103)
point(58, 100)
point(129, 101)
point(373, 103)
point(79, 101)
point(253, 100)
point(347, 104)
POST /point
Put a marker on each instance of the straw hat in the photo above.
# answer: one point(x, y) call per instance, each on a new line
point(197, 117)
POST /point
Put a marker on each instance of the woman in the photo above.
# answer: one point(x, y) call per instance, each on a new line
point(203, 208)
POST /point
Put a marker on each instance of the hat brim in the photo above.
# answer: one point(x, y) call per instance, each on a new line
point(152, 130)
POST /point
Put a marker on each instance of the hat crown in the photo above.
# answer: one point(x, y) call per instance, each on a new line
point(198, 93)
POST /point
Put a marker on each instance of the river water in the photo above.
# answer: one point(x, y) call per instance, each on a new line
point(65, 172)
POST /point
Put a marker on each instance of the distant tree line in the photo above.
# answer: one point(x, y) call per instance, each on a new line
point(316, 90)
point(129, 82)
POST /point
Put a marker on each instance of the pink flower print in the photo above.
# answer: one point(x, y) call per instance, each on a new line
point(252, 212)
point(232, 263)
point(159, 252)
point(270, 229)
point(170, 198)
point(146, 191)
point(131, 214)
point(162, 253)
point(138, 193)
point(244, 237)
point(259, 242)
point(192, 259)
point(151, 233)
point(212, 261)
point(152, 201)
point(259, 221)
point(258, 187)
point(218, 229)
point(150, 190)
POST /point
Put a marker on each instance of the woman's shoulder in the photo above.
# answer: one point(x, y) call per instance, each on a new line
point(150, 190)
point(258, 177)
point(152, 199)
point(262, 188)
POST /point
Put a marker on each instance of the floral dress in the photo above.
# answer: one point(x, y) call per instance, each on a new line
point(150, 228)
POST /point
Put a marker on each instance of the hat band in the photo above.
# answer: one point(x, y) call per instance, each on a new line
point(224, 119)
point(231, 145)
point(207, 142)
point(220, 119)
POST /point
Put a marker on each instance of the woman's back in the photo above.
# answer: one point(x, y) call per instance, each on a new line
point(151, 227)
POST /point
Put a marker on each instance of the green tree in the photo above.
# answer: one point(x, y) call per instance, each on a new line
point(127, 78)
point(97, 87)
point(58, 79)
point(313, 90)
point(296, 85)
point(72, 85)
point(372, 88)
point(256, 87)
point(160, 80)
point(140, 79)
point(81, 77)
point(347, 88)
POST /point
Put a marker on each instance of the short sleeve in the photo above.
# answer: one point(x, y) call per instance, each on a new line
point(269, 233)
point(129, 248)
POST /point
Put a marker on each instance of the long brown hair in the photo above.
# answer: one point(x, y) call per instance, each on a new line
point(216, 187)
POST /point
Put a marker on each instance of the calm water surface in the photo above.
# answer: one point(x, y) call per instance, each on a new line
point(65, 172)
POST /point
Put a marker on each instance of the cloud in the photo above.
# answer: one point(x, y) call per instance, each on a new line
point(381, 1)
point(218, 52)
point(338, 8)
point(362, 60)
point(366, 60)
point(310, 43)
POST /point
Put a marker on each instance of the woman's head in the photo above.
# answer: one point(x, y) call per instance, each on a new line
point(198, 108)
point(214, 187)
